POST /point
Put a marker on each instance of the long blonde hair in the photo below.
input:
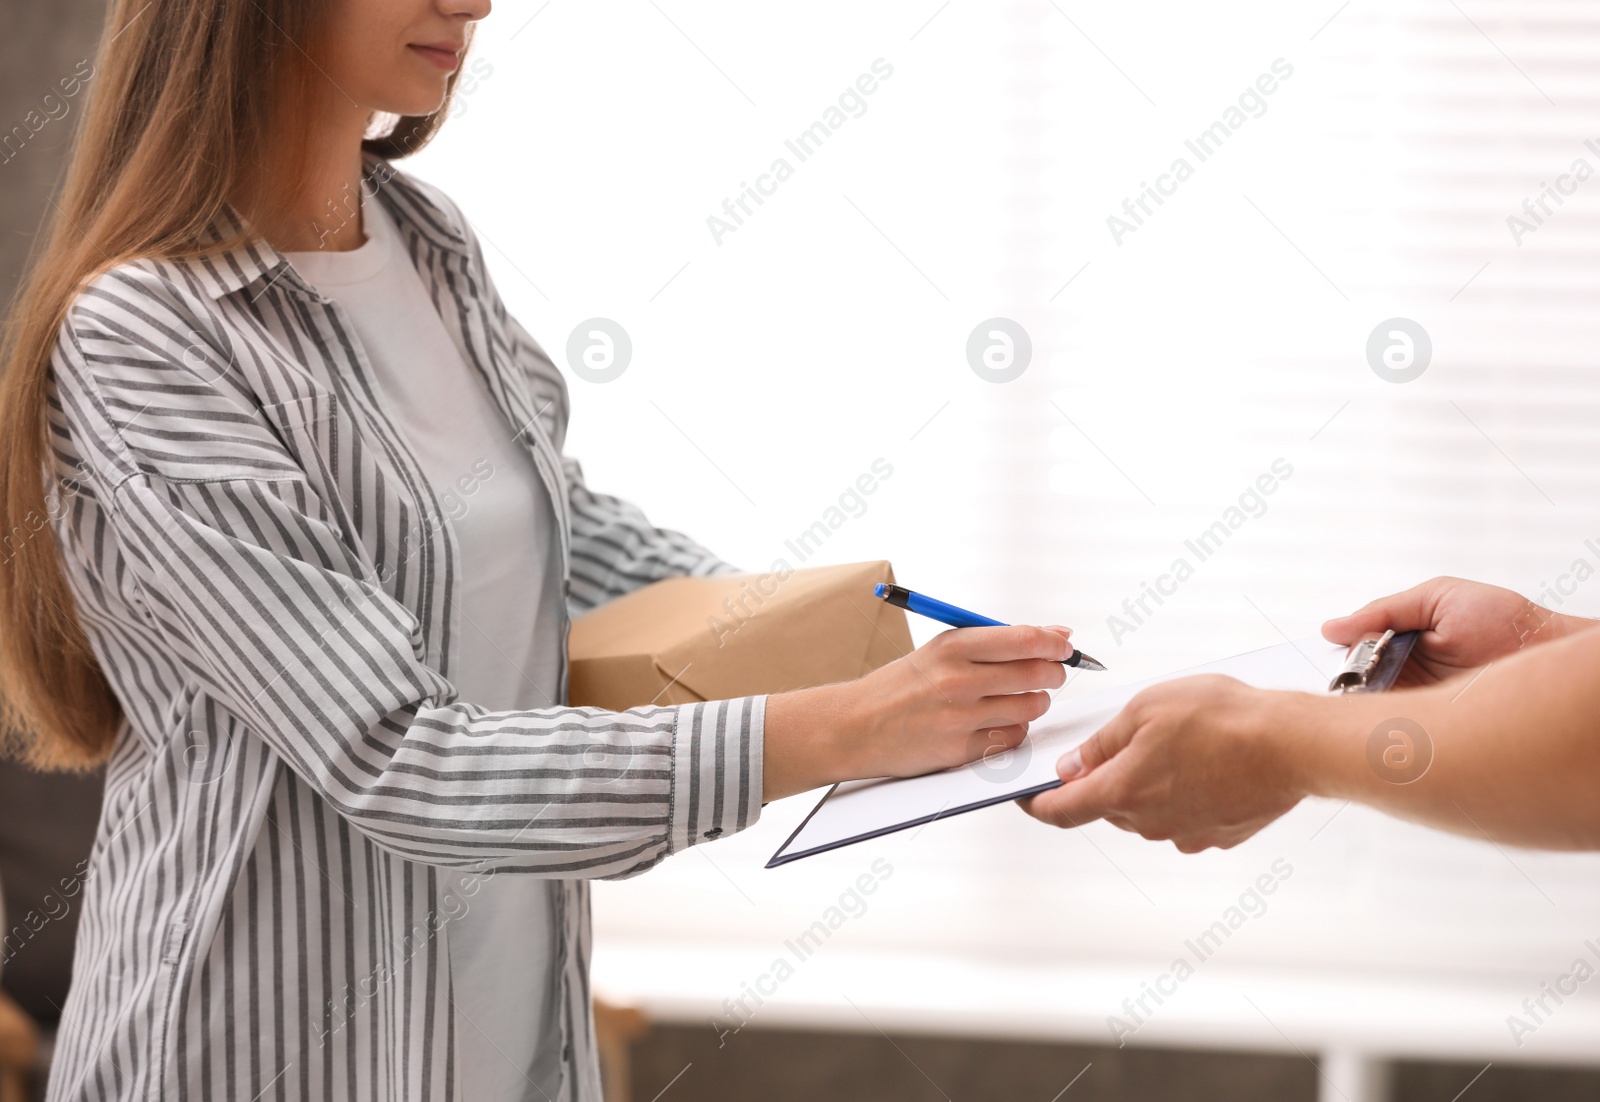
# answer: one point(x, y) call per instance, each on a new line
point(193, 106)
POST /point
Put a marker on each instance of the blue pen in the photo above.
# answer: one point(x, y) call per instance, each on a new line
point(901, 597)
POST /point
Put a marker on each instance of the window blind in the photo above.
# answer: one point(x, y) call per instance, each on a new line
point(1392, 172)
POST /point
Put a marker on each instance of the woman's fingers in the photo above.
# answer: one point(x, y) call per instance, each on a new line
point(967, 693)
point(974, 664)
point(989, 741)
point(1008, 710)
point(1005, 644)
point(1025, 675)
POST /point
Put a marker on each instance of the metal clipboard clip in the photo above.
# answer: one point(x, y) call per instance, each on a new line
point(1374, 663)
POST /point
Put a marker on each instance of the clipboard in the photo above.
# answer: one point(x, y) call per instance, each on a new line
point(856, 811)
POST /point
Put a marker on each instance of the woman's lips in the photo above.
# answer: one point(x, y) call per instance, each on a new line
point(442, 56)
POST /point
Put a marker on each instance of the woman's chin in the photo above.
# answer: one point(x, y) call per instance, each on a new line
point(424, 98)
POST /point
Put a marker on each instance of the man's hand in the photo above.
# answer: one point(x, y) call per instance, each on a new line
point(1465, 626)
point(1199, 761)
point(1207, 761)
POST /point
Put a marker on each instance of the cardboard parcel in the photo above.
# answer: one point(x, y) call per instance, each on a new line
point(688, 639)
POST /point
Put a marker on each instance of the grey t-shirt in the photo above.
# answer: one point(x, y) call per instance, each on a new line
point(503, 944)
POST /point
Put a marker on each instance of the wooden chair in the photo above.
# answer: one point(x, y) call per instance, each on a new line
point(19, 1052)
point(615, 1028)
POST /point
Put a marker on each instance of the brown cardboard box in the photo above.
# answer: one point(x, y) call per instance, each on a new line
point(688, 639)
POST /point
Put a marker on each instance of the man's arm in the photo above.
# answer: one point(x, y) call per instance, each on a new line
point(1515, 749)
point(1509, 750)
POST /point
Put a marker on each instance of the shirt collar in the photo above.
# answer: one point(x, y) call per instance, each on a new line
point(413, 207)
point(222, 273)
point(415, 214)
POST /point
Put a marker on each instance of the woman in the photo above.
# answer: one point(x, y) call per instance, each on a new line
point(301, 563)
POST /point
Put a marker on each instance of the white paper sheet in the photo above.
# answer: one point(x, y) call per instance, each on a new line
point(858, 810)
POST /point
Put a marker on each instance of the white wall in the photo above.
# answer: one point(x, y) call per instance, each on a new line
point(1226, 332)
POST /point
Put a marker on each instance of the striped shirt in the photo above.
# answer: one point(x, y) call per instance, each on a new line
point(269, 584)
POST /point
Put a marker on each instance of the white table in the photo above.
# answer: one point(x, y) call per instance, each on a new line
point(1350, 1024)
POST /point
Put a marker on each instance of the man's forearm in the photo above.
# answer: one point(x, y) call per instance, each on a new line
point(1548, 626)
point(1512, 752)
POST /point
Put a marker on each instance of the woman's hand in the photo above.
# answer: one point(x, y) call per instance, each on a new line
point(1465, 625)
point(1198, 761)
point(967, 693)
